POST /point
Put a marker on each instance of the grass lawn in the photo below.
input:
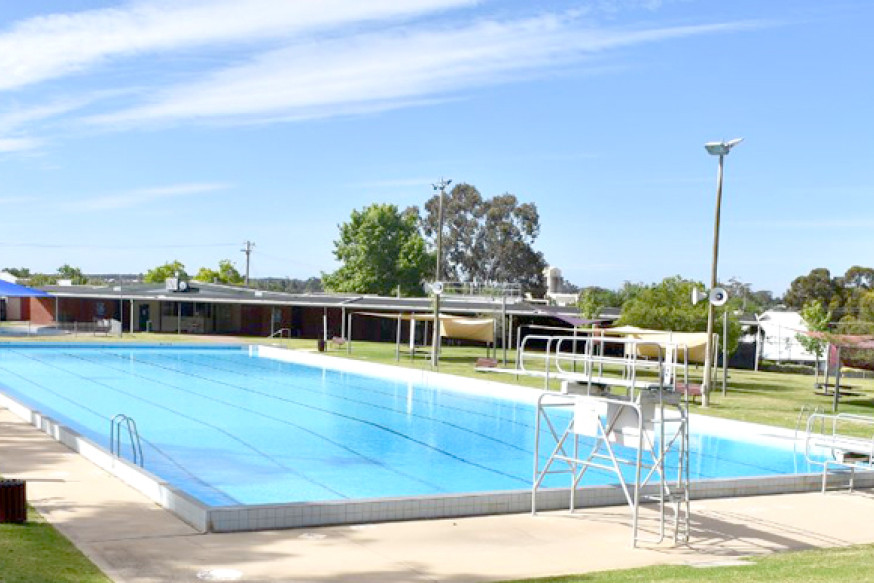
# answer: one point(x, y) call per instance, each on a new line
point(844, 564)
point(36, 552)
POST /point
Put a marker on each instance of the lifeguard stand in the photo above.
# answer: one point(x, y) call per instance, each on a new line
point(588, 425)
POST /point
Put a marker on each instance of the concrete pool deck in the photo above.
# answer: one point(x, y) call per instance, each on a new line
point(132, 539)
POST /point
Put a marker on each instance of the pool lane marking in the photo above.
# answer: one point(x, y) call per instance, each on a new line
point(375, 425)
point(588, 442)
point(107, 419)
point(303, 388)
point(196, 420)
point(338, 444)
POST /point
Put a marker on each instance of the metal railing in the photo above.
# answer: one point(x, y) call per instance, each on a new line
point(133, 434)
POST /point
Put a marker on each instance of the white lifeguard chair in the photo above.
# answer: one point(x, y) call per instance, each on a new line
point(631, 434)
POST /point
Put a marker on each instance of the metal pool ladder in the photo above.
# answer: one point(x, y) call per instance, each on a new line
point(133, 435)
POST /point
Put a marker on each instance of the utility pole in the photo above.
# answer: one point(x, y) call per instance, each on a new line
point(248, 252)
point(435, 343)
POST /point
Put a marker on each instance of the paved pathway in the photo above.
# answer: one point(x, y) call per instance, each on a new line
point(132, 539)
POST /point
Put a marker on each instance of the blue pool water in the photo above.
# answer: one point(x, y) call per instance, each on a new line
point(230, 428)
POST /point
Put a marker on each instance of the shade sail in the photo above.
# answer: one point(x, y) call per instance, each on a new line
point(13, 290)
point(693, 342)
point(460, 327)
point(481, 329)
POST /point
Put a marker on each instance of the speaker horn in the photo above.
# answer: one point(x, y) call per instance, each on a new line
point(697, 295)
point(718, 296)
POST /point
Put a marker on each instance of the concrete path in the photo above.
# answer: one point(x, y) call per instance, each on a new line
point(132, 539)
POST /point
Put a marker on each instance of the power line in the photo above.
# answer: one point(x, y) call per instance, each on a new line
point(74, 246)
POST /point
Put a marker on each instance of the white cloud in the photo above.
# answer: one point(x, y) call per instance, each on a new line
point(374, 71)
point(145, 195)
point(50, 46)
point(19, 144)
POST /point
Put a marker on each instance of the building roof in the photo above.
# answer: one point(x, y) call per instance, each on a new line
point(221, 293)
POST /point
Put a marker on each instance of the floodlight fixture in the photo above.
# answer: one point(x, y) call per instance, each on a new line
point(721, 148)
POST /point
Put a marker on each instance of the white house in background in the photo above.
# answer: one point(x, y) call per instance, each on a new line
point(8, 277)
point(777, 337)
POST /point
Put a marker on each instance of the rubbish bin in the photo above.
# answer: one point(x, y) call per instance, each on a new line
point(321, 345)
point(13, 501)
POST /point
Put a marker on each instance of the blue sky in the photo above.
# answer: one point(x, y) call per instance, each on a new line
point(133, 133)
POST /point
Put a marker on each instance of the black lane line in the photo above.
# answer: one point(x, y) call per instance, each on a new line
point(97, 414)
point(303, 388)
point(588, 442)
point(190, 418)
point(350, 418)
point(338, 444)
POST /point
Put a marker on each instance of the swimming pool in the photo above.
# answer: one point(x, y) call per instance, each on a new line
point(237, 426)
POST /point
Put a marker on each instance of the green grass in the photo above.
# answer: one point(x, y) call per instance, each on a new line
point(35, 552)
point(854, 563)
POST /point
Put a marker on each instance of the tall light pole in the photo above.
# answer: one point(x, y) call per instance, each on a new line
point(435, 340)
point(720, 149)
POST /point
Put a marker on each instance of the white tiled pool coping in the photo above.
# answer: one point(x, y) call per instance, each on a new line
point(261, 517)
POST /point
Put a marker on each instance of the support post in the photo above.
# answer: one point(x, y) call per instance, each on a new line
point(504, 326)
point(724, 351)
point(398, 340)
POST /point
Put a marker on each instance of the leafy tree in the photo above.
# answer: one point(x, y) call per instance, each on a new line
point(226, 273)
point(19, 272)
point(41, 279)
point(817, 319)
point(380, 249)
point(590, 303)
point(162, 272)
point(74, 274)
point(743, 298)
point(462, 213)
point(861, 319)
point(667, 306)
point(602, 296)
point(816, 286)
point(859, 277)
point(487, 240)
point(628, 292)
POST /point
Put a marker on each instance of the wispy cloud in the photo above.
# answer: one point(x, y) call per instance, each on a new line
point(145, 195)
point(55, 45)
point(347, 74)
point(19, 144)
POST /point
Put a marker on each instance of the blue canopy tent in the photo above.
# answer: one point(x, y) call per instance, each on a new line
point(13, 290)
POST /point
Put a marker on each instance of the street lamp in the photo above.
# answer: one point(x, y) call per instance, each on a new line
point(436, 289)
point(720, 149)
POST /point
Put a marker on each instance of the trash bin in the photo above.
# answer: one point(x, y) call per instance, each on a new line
point(321, 344)
point(13, 501)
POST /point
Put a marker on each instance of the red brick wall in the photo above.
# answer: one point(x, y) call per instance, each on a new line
point(38, 310)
